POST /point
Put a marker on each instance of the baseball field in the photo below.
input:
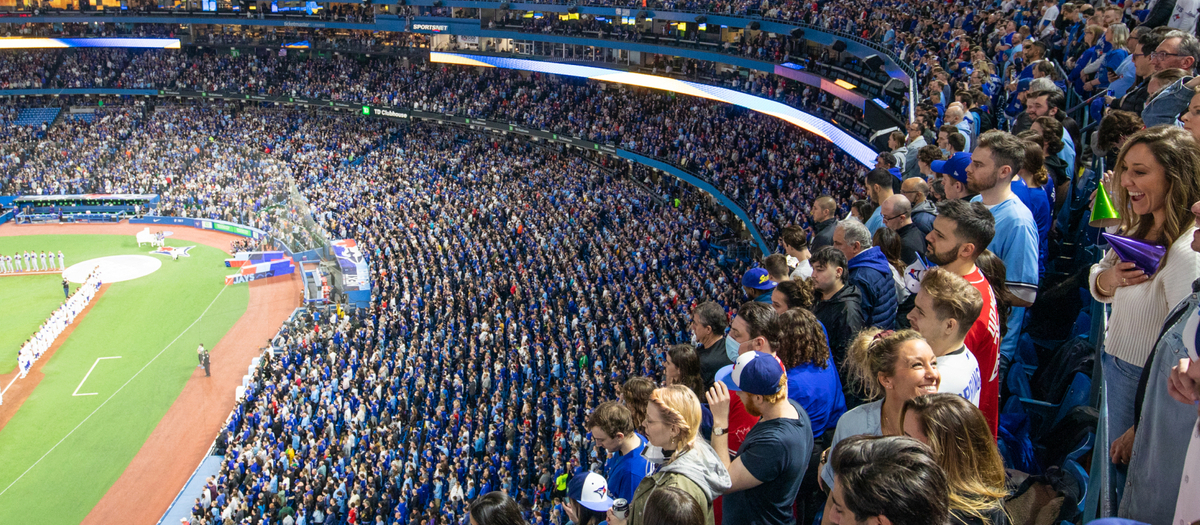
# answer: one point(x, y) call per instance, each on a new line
point(74, 424)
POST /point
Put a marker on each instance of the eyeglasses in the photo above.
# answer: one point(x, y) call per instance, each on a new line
point(893, 217)
point(1159, 55)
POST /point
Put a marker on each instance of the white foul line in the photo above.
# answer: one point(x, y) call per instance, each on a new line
point(89, 416)
point(85, 376)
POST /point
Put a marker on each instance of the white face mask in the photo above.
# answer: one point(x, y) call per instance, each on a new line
point(731, 348)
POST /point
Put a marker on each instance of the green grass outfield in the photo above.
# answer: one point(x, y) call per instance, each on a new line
point(61, 453)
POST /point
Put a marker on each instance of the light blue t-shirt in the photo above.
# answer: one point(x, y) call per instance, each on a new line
point(1016, 243)
point(863, 419)
point(875, 221)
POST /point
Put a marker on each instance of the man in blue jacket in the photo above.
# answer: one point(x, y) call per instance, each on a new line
point(869, 271)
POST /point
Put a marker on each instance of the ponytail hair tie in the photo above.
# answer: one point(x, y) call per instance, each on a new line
point(883, 335)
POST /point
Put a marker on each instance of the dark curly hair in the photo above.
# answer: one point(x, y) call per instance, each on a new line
point(798, 339)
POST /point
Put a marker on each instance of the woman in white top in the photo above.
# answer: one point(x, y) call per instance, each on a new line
point(889, 368)
point(1157, 177)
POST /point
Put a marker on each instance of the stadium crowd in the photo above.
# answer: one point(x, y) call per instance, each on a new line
point(513, 305)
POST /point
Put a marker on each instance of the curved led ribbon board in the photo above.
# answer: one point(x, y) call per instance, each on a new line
point(49, 43)
point(810, 123)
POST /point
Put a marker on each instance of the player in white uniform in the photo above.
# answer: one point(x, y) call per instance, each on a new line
point(17, 260)
point(43, 260)
point(61, 264)
point(51, 256)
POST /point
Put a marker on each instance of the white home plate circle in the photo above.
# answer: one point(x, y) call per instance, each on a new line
point(114, 268)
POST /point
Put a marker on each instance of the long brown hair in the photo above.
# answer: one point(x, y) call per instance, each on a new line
point(1176, 151)
point(684, 357)
point(635, 393)
point(962, 444)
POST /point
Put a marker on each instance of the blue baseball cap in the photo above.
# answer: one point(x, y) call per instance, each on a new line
point(758, 279)
point(955, 167)
point(753, 373)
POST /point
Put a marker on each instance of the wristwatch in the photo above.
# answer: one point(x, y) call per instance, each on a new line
point(720, 431)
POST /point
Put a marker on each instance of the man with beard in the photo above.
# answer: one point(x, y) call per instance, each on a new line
point(960, 233)
point(999, 157)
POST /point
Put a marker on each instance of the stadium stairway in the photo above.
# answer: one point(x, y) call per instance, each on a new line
point(182, 506)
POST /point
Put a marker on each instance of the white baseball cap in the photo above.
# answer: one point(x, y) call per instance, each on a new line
point(591, 491)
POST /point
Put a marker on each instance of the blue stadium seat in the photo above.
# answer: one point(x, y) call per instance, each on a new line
point(36, 116)
point(1043, 414)
point(1080, 474)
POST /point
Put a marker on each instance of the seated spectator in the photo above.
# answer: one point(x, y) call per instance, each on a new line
point(944, 310)
point(869, 272)
point(771, 461)
point(689, 462)
point(962, 444)
point(611, 425)
point(839, 304)
point(893, 480)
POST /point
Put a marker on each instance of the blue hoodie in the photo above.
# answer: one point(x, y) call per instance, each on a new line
point(870, 271)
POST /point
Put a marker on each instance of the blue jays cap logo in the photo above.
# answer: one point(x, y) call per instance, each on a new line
point(171, 251)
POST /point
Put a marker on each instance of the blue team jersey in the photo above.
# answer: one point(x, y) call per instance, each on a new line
point(1039, 204)
point(625, 471)
point(1016, 242)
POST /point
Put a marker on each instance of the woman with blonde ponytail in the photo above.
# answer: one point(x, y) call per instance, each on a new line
point(889, 368)
point(689, 463)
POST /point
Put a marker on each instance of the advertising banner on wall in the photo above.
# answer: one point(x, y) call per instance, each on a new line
point(355, 274)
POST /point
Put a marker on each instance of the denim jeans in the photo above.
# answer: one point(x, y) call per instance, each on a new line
point(1120, 383)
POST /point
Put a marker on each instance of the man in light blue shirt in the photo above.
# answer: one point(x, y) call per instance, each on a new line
point(996, 159)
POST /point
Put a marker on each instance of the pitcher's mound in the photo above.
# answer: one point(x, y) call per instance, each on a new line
point(114, 268)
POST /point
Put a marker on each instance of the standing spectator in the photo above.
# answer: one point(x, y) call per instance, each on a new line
point(897, 216)
point(708, 331)
point(777, 268)
point(945, 308)
point(997, 159)
point(611, 425)
point(879, 187)
point(682, 367)
point(493, 508)
point(824, 220)
point(672, 424)
point(839, 305)
point(1155, 453)
point(960, 235)
point(962, 444)
point(792, 294)
point(798, 340)
point(772, 460)
point(916, 190)
point(1155, 178)
point(889, 368)
point(66, 288)
point(757, 285)
point(869, 271)
point(795, 244)
point(672, 506)
point(588, 499)
point(954, 175)
point(890, 479)
point(635, 394)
